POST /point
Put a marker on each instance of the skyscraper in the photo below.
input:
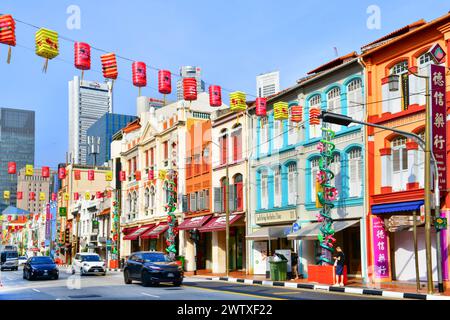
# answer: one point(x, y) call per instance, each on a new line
point(88, 102)
point(16, 145)
point(104, 129)
point(268, 84)
point(190, 72)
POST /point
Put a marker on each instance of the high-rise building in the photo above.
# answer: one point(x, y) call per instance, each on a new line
point(16, 145)
point(37, 184)
point(268, 84)
point(190, 72)
point(88, 102)
point(105, 128)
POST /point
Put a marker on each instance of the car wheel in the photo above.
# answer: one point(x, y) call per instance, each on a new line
point(177, 283)
point(56, 277)
point(145, 278)
point(104, 274)
point(126, 276)
point(23, 275)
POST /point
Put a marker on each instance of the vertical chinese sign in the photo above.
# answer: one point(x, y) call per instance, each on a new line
point(439, 119)
point(380, 248)
point(48, 221)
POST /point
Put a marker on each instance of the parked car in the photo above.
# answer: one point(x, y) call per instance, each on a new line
point(22, 260)
point(9, 260)
point(152, 268)
point(40, 267)
point(88, 263)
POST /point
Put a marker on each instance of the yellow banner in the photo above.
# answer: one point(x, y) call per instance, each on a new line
point(42, 196)
point(109, 176)
point(66, 196)
point(319, 188)
point(6, 195)
point(162, 174)
point(87, 196)
point(29, 170)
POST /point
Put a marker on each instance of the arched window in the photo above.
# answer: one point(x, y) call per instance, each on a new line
point(399, 164)
point(336, 168)
point(239, 192)
point(400, 68)
point(292, 183)
point(223, 142)
point(224, 198)
point(355, 99)
point(421, 163)
point(334, 104)
point(135, 202)
point(264, 189)
point(314, 170)
point(314, 102)
point(277, 186)
point(166, 192)
point(152, 197)
point(264, 136)
point(277, 134)
point(355, 172)
point(130, 203)
point(423, 69)
point(237, 142)
point(146, 198)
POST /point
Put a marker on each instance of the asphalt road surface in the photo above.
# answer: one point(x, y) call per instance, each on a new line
point(112, 287)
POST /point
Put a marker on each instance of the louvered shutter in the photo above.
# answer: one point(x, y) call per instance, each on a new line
point(218, 200)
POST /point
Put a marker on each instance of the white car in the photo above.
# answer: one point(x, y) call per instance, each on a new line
point(22, 260)
point(88, 263)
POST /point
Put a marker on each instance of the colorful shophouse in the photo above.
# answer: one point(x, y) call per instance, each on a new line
point(396, 98)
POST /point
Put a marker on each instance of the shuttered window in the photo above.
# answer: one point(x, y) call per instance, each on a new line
point(399, 164)
point(336, 168)
point(355, 173)
point(292, 184)
point(218, 200)
point(277, 186)
point(314, 171)
point(334, 105)
point(315, 102)
point(264, 191)
point(355, 100)
point(193, 202)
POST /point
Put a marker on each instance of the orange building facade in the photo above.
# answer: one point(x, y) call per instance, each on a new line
point(396, 164)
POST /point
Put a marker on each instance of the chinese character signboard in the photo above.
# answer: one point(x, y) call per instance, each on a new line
point(438, 120)
point(437, 53)
point(380, 248)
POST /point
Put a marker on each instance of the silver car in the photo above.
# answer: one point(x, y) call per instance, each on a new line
point(9, 260)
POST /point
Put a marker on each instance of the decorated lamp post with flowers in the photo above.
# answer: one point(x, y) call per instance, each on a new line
point(170, 207)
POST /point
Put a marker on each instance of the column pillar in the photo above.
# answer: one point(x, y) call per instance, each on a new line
point(413, 167)
point(386, 170)
point(218, 252)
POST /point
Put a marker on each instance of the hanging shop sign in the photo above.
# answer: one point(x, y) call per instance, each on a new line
point(380, 248)
point(63, 212)
point(439, 121)
point(275, 217)
point(437, 53)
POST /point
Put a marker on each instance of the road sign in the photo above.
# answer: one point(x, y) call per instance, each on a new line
point(295, 227)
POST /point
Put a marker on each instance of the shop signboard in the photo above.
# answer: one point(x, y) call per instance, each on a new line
point(439, 121)
point(380, 248)
point(275, 217)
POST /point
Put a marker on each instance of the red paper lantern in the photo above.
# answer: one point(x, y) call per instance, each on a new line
point(109, 66)
point(9, 218)
point(314, 114)
point(261, 107)
point(296, 113)
point(61, 173)
point(215, 96)
point(151, 175)
point(91, 175)
point(77, 174)
point(32, 196)
point(7, 30)
point(82, 56)
point(19, 195)
point(164, 82)
point(122, 176)
point(45, 172)
point(76, 196)
point(99, 195)
point(137, 175)
point(190, 89)
point(12, 168)
point(139, 74)
point(54, 196)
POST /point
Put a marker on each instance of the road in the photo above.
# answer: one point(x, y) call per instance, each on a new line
point(112, 287)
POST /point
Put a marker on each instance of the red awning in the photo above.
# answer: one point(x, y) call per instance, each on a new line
point(135, 234)
point(129, 230)
point(193, 223)
point(155, 232)
point(219, 223)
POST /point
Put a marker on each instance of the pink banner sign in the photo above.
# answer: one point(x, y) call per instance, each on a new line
point(439, 121)
point(380, 248)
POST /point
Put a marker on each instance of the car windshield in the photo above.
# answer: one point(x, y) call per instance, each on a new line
point(42, 260)
point(92, 258)
point(23, 258)
point(11, 255)
point(155, 257)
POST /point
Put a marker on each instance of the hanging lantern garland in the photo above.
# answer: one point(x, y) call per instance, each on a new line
point(281, 110)
point(170, 208)
point(82, 57)
point(190, 89)
point(139, 70)
point(215, 96)
point(237, 101)
point(8, 33)
point(326, 195)
point(47, 45)
point(261, 107)
point(109, 66)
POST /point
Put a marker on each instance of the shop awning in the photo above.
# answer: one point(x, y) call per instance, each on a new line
point(312, 230)
point(397, 207)
point(219, 223)
point(271, 233)
point(194, 223)
point(155, 232)
point(136, 233)
point(129, 230)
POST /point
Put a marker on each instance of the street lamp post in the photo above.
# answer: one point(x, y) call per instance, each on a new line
point(425, 145)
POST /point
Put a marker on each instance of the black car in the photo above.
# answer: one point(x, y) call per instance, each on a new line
point(152, 268)
point(40, 267)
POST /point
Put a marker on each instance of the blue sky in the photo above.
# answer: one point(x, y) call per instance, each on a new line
point(232, 41)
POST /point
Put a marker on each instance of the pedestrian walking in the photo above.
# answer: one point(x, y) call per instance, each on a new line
point(294, 265)
point(339, 261)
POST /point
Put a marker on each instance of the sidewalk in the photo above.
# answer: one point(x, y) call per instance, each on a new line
point(355, 285)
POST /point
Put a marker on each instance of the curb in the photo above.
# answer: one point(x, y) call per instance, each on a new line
point(320, 287)
point(108, 269)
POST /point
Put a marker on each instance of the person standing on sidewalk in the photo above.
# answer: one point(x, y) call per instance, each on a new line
point(339, 266)
point(294, 265)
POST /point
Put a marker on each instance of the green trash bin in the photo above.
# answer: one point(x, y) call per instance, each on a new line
point(278, 270)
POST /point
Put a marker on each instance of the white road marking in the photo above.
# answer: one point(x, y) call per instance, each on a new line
point(36, 290)
point(149, 295)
